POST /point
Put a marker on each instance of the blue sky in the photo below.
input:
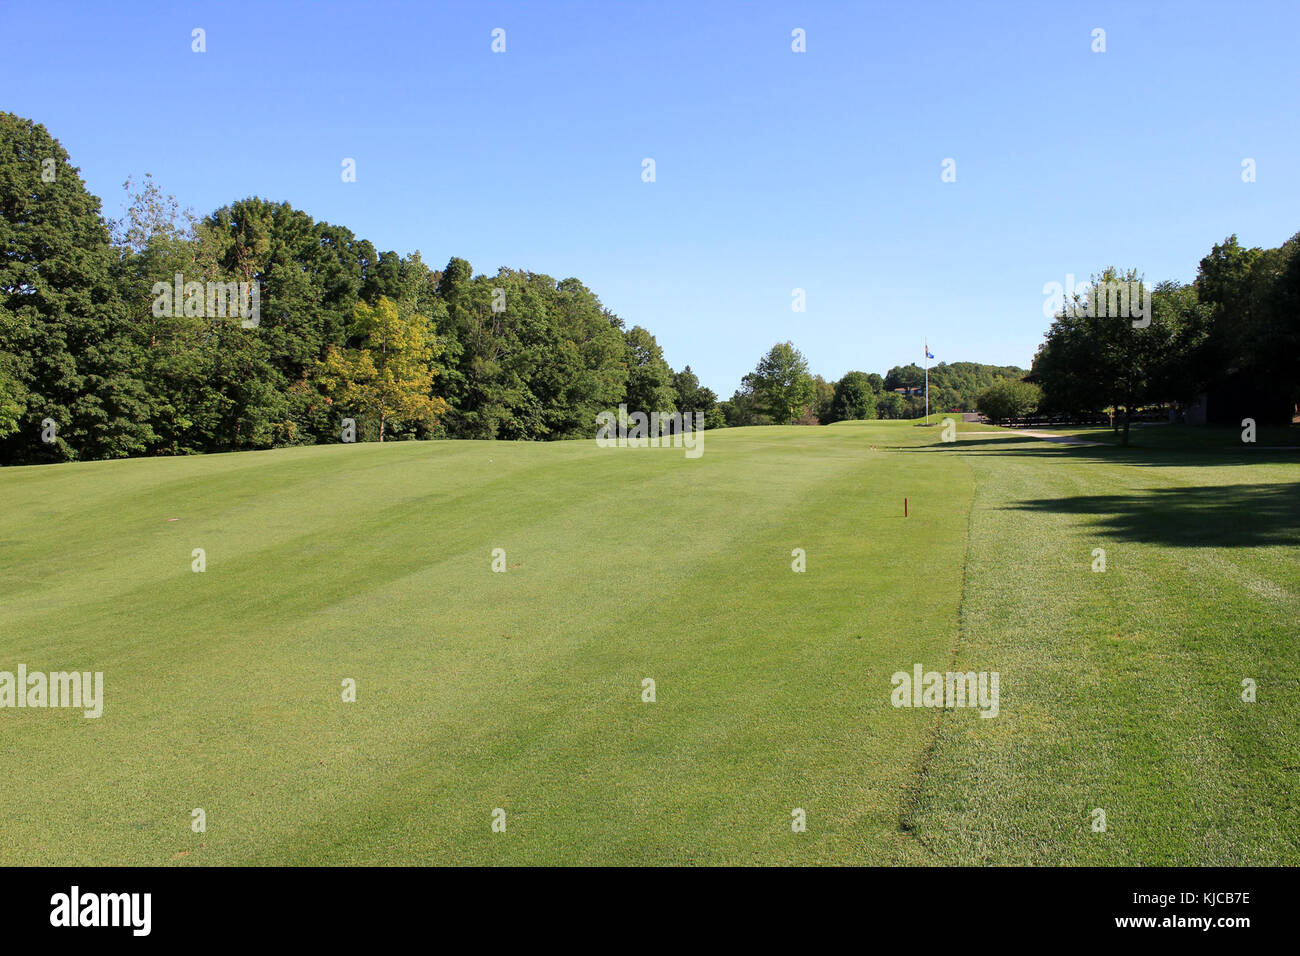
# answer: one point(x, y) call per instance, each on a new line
point(775, 170)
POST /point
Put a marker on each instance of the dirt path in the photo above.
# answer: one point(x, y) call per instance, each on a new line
point(1029, 433)
point(1052, 436)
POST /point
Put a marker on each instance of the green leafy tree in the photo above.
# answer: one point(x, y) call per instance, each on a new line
point(1253, 335)
point(745, 408)
point(905, 376)
point(149, 215)
point(1275, 347)
point(650, 378)
point(309, 274)
point(485, 391)
point(854, 398)
point(71, 353)
point(953, 384)
point(580, 369)
point(890, 405)
point(691, 397)
point(818, 412)
point(781, 384)
point(83, 342)
point(12, 397)
point(1126, 361)
point(1063, 369)
point(1009, 398)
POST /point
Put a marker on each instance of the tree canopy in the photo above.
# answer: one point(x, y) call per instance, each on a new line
point(1237, 326)
point(342, 330)
point(257, 326)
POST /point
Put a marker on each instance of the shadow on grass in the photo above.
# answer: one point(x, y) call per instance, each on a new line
point(1022, 446)
point(1209, 516)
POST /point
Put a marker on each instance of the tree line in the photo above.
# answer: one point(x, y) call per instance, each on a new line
point(257, 326)
point(782, 390)
point(1230, 337)
point(99, 358)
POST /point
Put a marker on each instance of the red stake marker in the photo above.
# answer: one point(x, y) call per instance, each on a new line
point(904, 507)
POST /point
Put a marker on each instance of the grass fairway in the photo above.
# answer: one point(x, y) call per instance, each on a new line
point(523, 690)
point(477, 690)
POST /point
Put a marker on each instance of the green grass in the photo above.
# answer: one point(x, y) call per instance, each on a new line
point(522, 690)
point(1121, 689)
point(1191, 438)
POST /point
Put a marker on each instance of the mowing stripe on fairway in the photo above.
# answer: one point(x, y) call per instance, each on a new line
point(1120, 690)
point(479, 690)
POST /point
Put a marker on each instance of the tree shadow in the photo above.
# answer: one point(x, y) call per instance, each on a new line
point(1021, 446)
point(1221, 516)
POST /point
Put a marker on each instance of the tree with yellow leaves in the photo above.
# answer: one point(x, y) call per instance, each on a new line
point(390, 375)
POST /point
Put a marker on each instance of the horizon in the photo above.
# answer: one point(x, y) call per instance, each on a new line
point(757, 193)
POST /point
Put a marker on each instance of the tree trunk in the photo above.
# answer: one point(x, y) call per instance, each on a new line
point(1127, 417)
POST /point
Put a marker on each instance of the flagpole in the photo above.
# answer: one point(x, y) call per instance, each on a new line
point(926, 349)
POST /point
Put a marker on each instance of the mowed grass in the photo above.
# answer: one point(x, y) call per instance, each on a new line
point(522, 691)
point(1193, 439)
point(1122, 690)
point(478, 690)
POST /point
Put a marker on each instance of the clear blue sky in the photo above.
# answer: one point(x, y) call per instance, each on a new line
point(775, 170)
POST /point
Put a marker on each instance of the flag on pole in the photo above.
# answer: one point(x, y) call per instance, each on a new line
point(928, 356)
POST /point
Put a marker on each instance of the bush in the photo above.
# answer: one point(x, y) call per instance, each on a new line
point(1009, 398)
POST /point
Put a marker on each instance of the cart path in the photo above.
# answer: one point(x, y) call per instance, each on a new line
point(1046, 436)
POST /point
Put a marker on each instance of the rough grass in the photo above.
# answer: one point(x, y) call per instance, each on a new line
point(1122, 689)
